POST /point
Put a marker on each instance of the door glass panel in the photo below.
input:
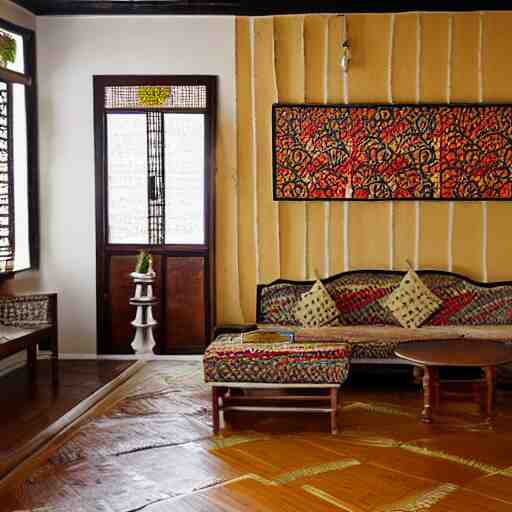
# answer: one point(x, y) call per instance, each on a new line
point(127, 179)
point(184, 178)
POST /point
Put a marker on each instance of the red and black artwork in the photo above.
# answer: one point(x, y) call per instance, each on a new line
point(379, 152)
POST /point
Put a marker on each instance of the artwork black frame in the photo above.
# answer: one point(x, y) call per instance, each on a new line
point(375, 105)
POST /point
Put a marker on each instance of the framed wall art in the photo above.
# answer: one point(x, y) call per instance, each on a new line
point(392, 152)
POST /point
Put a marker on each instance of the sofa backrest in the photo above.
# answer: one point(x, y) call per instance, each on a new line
point(358, 295)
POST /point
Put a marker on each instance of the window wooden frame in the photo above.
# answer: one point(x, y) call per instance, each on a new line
point(29, 80)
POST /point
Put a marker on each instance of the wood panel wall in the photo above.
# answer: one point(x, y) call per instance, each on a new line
point(412, 57)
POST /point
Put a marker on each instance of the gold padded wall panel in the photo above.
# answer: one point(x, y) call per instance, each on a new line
point(468, 217)
point(434, 71)
point(404, 58)
point(403, 87)
point(335, 92)
point(368, 82)
point(497, 80)
point(466, 29)
point(226, 260)
point(289, 40)
point(315, 28)
point(246, 240)
point(266, 94)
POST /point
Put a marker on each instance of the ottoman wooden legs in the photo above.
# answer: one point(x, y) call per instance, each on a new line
point(334, 410)
point(223, 400)
point(215, 409)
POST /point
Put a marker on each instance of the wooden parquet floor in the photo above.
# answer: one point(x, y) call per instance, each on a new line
point(150, 448)
point(31, 412)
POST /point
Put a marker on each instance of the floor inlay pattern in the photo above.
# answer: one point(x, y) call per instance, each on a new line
point(152, 449)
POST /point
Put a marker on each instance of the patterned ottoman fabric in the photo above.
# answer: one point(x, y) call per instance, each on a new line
point(359, 298)
point(229, 360)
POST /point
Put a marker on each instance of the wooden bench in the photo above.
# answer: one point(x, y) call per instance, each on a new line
point(27, 321)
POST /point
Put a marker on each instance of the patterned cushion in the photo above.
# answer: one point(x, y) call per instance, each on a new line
point(26, 310)
point(316, 308)
point(358, 296)
point(229, 360)
point(412, 302)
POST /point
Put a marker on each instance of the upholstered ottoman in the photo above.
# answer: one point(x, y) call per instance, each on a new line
point(229, 363)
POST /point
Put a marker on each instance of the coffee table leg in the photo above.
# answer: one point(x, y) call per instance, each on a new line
point(428, 392)
point(490, 377)
point(436, 387)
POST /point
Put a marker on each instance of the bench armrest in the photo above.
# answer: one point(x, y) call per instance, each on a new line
point(29, 310)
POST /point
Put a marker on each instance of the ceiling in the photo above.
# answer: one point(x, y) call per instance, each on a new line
point(261, 7)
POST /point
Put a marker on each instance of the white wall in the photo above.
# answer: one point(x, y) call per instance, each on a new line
point(70, 51)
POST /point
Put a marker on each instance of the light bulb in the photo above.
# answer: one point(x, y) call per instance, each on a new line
point(345, 59)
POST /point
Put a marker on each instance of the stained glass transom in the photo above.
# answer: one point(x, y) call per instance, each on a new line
point(144, 97)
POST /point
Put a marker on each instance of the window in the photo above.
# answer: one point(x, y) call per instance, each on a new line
point(18, 150)
point(156, 166)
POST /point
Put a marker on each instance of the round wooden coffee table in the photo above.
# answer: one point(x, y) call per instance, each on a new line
point(461, 353)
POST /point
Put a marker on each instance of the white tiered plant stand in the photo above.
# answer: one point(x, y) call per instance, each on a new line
point(144, 322)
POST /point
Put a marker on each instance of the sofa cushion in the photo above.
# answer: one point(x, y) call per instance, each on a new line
point(316, 308)
point(277, 302)
point(229, 360)
point(358, 298)
point(380, 341)
point(412, 302)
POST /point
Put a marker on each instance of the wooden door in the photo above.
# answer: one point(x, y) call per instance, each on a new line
point(154, 140)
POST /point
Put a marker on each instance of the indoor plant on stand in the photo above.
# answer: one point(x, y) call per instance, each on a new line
point(143, 278)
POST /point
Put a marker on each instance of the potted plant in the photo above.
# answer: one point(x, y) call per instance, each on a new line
point(7, 49)
point(144, 265)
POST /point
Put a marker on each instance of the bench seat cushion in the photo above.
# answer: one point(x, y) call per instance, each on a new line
point(229, 360)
